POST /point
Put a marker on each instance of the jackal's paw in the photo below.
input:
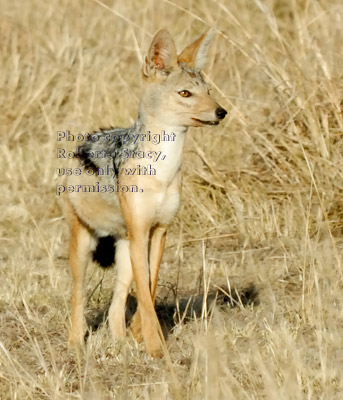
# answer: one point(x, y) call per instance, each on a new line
point(76, 340)
point(155, 350)
point(136, 328)
point(118, 333)
point(117, 326)
point(153, 341)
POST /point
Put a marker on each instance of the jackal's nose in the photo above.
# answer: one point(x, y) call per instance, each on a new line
point(220, 113)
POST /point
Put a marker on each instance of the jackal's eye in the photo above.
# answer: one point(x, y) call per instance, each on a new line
point(185, 93)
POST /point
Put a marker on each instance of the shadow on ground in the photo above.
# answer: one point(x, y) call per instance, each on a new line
point(182, 310)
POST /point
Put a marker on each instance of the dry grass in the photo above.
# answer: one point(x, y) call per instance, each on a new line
point(262, 199)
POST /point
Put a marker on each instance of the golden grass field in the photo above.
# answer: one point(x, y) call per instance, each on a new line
point(262, 199)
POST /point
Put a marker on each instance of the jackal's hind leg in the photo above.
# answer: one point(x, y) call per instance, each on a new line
point(80, 247)
point(116, 315)
point(136, 326)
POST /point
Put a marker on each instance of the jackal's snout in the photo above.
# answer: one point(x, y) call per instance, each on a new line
point(209, 116)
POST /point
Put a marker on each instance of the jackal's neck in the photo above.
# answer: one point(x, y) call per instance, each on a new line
point(159, 135)
point(166, 143)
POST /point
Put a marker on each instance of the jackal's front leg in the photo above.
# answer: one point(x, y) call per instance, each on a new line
point(138, 217)
point(150, 327)
point(79, 253)
point(157, 242)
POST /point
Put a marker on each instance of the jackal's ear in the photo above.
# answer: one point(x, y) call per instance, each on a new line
point(195, 55)
point(161, 55)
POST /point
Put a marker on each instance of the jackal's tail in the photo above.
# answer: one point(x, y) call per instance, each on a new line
point(104, 254)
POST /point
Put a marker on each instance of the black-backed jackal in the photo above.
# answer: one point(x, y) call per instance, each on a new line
point(133, 181)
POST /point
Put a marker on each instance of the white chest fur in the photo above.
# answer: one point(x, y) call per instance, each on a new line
point(166, 183)
point(168, 154)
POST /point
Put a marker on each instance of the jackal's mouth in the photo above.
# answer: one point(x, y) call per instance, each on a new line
point(206, 122)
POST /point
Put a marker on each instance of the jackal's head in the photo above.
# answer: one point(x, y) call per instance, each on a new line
point(177, 94)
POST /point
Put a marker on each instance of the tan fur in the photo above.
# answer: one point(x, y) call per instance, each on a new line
point(194, 54)
point(140, 219)
point(125, 277)
point(80, 246)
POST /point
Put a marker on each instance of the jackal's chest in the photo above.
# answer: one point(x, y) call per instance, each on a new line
point(161, 163)
point(167, 207)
